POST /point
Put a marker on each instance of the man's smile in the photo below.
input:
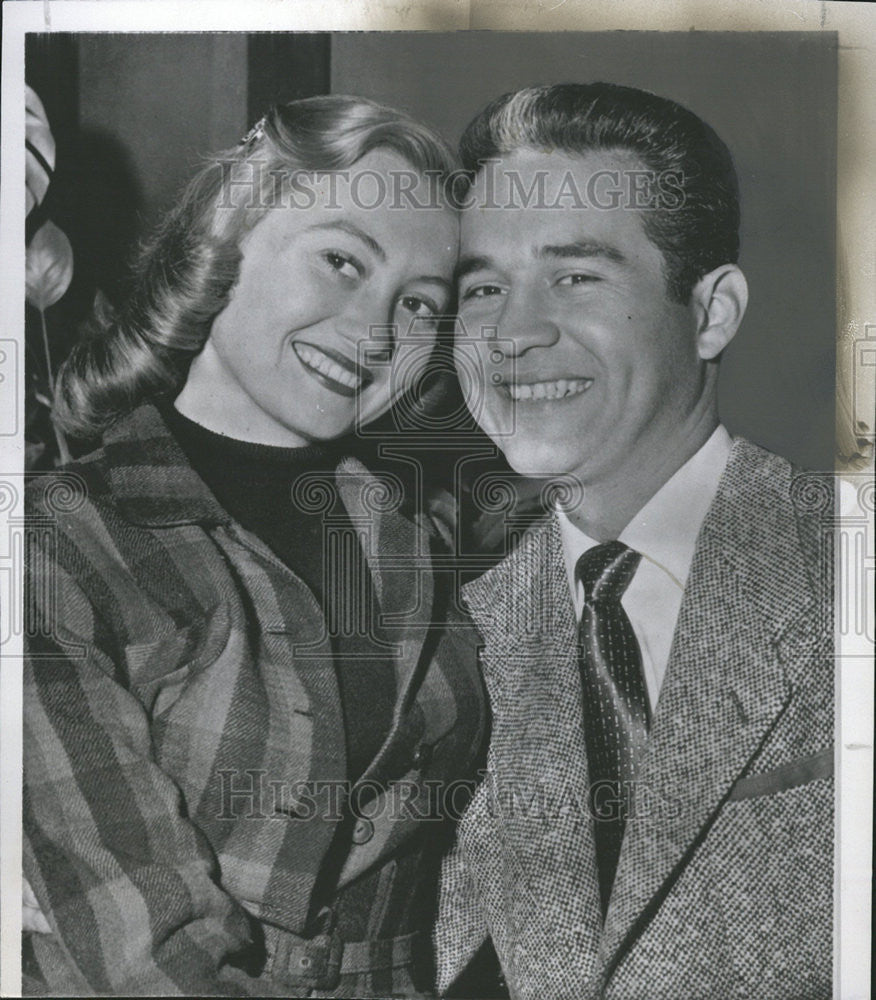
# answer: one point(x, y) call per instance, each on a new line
point(552, 389)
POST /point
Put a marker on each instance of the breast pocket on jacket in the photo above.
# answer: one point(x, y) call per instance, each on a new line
point(772, 851)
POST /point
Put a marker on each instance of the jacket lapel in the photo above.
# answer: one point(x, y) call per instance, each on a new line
point(155, 486)
point(725, 683)
point(537, 761)
point(398, 554)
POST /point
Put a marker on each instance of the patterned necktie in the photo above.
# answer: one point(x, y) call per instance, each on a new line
point(615, 702)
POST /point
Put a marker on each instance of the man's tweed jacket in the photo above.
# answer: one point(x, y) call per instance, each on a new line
point(724, 886)
point(184, 744)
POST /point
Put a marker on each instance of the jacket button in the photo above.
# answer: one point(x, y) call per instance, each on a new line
point(422, 756)
point(363, 831)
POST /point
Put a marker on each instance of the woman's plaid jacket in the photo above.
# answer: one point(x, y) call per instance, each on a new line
point(184, 751)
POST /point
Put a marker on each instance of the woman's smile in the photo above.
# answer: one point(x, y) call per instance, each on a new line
point(331, 369)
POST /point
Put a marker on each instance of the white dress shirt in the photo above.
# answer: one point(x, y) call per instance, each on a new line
point(665, 533)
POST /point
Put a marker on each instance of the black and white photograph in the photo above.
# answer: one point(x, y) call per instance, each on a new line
point(437, 501)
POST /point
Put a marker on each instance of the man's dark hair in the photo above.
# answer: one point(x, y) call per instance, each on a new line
point(700, 232)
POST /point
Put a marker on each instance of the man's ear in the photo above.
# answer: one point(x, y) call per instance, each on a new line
point(719, 300)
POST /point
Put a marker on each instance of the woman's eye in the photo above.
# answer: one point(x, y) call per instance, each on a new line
point(343, 264)
point(418, 307)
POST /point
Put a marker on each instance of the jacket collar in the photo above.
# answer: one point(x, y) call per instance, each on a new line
point(151, 479)
point(155, 486)
point(748, 552)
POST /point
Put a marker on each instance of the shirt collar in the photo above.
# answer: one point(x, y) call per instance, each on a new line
point(665, 530)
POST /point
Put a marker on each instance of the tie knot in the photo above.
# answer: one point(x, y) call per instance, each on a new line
point(605, 571)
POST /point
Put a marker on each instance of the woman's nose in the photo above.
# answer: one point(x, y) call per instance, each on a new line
point(363, 320)
point(526, 323)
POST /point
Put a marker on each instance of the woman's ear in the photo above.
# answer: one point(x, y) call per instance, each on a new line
point(719, 300)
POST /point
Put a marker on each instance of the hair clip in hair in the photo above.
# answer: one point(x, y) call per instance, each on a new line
point(256, 132)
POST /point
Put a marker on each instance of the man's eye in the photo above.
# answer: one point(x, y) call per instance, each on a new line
point(577, 279)
point(481, 292)
point(343, 264)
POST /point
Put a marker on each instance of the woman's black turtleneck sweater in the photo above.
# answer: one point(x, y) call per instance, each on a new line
point(253, 482)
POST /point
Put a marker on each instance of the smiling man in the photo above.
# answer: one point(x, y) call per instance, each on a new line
point(656, 819)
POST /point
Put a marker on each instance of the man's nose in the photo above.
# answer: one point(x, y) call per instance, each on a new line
point(526, 323)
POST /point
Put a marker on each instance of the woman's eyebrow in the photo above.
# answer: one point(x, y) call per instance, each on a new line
point(353, 230)
point(435, 279)
point(469, 264)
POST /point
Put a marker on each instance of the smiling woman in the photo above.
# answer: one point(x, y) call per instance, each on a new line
point(363, 276)
point(279, 236)
point(246, 692)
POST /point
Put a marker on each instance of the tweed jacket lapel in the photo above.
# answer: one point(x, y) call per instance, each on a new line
point(537, 761)
point(725, 685)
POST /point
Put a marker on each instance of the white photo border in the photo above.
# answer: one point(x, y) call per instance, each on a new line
point(855, 24)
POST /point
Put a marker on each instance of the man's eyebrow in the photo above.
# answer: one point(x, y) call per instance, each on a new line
point(353, 230)
point(582, 249)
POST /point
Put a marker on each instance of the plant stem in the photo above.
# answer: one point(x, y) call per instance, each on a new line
point(51, 377)
point(63, 449)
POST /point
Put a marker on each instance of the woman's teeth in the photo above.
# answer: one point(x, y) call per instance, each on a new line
point(559, 389)
point(315, 359)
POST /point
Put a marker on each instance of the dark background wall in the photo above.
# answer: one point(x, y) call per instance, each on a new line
point(133, 114)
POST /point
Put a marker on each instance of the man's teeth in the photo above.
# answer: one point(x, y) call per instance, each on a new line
point(559, 389)
point(331, 369)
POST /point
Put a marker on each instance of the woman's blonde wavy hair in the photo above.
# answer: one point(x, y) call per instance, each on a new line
point(185, 273)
